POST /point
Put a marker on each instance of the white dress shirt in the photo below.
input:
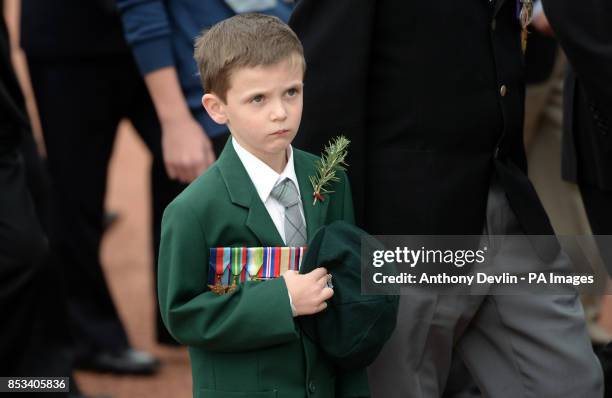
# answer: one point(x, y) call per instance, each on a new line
point(264, 179)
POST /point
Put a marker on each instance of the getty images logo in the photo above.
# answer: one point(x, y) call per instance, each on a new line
point(411, 257)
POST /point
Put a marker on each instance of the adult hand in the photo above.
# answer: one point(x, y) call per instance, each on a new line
point(186, 148)
point(540, 22)
point(309, 291)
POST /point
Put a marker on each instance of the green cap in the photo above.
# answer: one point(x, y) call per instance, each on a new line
point(353, 328)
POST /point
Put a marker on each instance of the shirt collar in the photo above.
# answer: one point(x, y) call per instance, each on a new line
point(264, 178)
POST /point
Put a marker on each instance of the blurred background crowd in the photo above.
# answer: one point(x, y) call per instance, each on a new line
point(103, 113)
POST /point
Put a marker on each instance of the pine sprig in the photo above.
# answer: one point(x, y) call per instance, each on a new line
point(332, 160)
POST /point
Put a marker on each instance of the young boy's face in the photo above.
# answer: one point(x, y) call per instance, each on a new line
point(263, 107)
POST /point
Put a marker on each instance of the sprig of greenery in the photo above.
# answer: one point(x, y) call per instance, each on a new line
point(332, 160)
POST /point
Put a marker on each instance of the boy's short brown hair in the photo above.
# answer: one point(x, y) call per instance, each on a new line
point(243, 40)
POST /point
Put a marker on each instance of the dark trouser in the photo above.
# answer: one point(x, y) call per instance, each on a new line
point(49, 352)
point(598, 206)
point(22, 250)
point(34, 338)
point(81, 102)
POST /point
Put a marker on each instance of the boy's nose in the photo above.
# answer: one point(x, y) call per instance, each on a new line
point(278, 112)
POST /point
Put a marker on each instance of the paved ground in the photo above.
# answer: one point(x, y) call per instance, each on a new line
point(126, 256)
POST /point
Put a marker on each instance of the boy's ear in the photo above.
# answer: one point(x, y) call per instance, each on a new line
point(215, 108)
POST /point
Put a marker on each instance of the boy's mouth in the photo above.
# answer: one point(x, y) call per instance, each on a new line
point(280, 132)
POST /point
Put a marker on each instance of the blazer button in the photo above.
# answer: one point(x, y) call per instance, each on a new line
point(311, 387)
point(503, 90)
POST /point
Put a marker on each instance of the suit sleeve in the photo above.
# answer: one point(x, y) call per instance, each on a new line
point(256, 315)
point(147, 31)
point(584, 30)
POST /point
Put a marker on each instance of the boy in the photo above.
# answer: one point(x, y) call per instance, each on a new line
point(243, 342)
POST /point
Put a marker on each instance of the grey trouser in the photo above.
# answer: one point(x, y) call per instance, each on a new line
point(527, 345)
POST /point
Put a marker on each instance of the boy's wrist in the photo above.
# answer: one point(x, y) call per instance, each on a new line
point(293, 309)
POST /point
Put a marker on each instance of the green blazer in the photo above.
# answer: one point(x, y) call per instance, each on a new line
point(245, 343)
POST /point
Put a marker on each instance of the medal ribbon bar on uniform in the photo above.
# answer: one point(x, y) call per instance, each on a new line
point(254, 261)
point(239, 260)
point(219, 262)
point(237, 264)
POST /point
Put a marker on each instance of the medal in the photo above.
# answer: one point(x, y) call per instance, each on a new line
point(218, 272)
point(254, 261)
point(238, 261)
point(525, 16)
point(218, 288)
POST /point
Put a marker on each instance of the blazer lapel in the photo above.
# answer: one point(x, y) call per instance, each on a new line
point(314, 214)
point(243, 193)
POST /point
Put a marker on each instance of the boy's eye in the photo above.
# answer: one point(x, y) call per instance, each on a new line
point(257, 99)
point(292, 92)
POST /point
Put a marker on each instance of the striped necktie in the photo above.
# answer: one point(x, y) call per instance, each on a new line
point(295, 230)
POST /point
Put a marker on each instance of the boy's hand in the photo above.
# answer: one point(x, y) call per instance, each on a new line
point(308, 292)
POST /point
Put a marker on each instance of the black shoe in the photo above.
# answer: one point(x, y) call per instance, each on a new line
point(128, 361)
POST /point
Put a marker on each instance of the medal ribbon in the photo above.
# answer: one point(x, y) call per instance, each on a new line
point(524, 12)
point(223, 265)
point(254, 261)
point(271, 262)
point(301, 251)
point(285, 260)
point(238, 261)
point(219, 264)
